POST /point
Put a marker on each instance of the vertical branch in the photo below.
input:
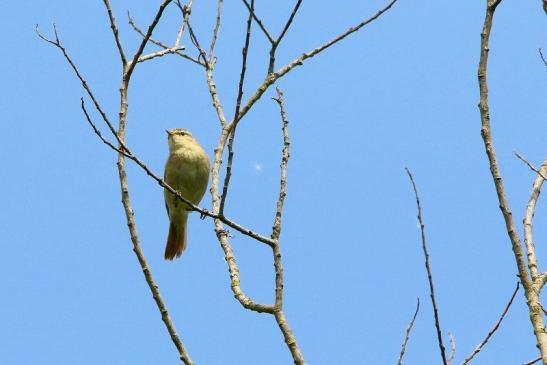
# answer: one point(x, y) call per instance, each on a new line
point(238, 106)
point(428, 269)
point(126, 202)
point(527, 222)
point(290, 340)
point(215, 31)
point(407, 335)
point(531, 289)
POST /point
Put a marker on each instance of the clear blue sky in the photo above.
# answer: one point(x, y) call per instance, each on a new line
point(400, 93)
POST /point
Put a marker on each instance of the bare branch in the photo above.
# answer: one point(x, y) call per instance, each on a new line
point(160, 53)
point(520, 157)
point(407, 335)
point(428, 268)
point(259, 22)
point(175, 49)
point(538, 279)
point(122, 150)
point(186, 11)
point(531, 362)
point(276, 229)
point(236, 113)
point(289, 22)
point(57, 43)
point(539, 49)
point(533, 300)
point(273, 77)
point(115, 31)
point(494, 329)
point(452, 348)
point(128, 70)
point(215, 31)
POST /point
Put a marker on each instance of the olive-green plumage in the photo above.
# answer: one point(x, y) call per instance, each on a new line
point(187, 171)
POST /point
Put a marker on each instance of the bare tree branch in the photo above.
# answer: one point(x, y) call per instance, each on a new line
point(531, 289)
point(494, 329)
point(539, 49)
point(428, 269)
point(122, 153)
point(175, 49)
point(289, 22)
point(128, 69)
point(407, 335)
point(452, 348)
point(57, 43)
point(537, 279)
point(114, 28)
point(215, 31)
point(273, 77)
point(531, 362)
point(259, 22)
point(290, 340)
point(520, 157)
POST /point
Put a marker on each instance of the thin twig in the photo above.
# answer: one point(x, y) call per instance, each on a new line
point(174, 49)
point(85, 85)
point(530, 291)
point(236, 113)
point(452, 348)
point(531, 362)
point(277, 41)
point(407, 335)
point(215, 31)
point(259, 22)
point(114, 28)
point(532, 167)
point(494, 329)
point(539, 49)
point(289, 21)
point(428, 268)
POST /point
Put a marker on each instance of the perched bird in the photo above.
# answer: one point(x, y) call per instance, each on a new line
point(187, 171)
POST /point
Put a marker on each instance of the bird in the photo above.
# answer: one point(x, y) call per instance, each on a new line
point(186, 171)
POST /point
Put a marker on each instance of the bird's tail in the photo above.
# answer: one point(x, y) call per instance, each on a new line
point(176, 240)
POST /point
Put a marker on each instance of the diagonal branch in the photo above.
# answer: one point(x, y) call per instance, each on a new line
point(128, 70)
point(114, 28)
point(57, 43)
point(428, 269)
point(175, 49)
point(289, 22)
point(494, 329)
point(259, 22)
point(407, 335)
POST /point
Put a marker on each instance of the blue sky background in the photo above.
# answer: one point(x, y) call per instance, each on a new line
point(400, 93)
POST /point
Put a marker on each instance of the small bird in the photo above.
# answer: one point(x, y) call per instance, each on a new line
point(187, 171)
